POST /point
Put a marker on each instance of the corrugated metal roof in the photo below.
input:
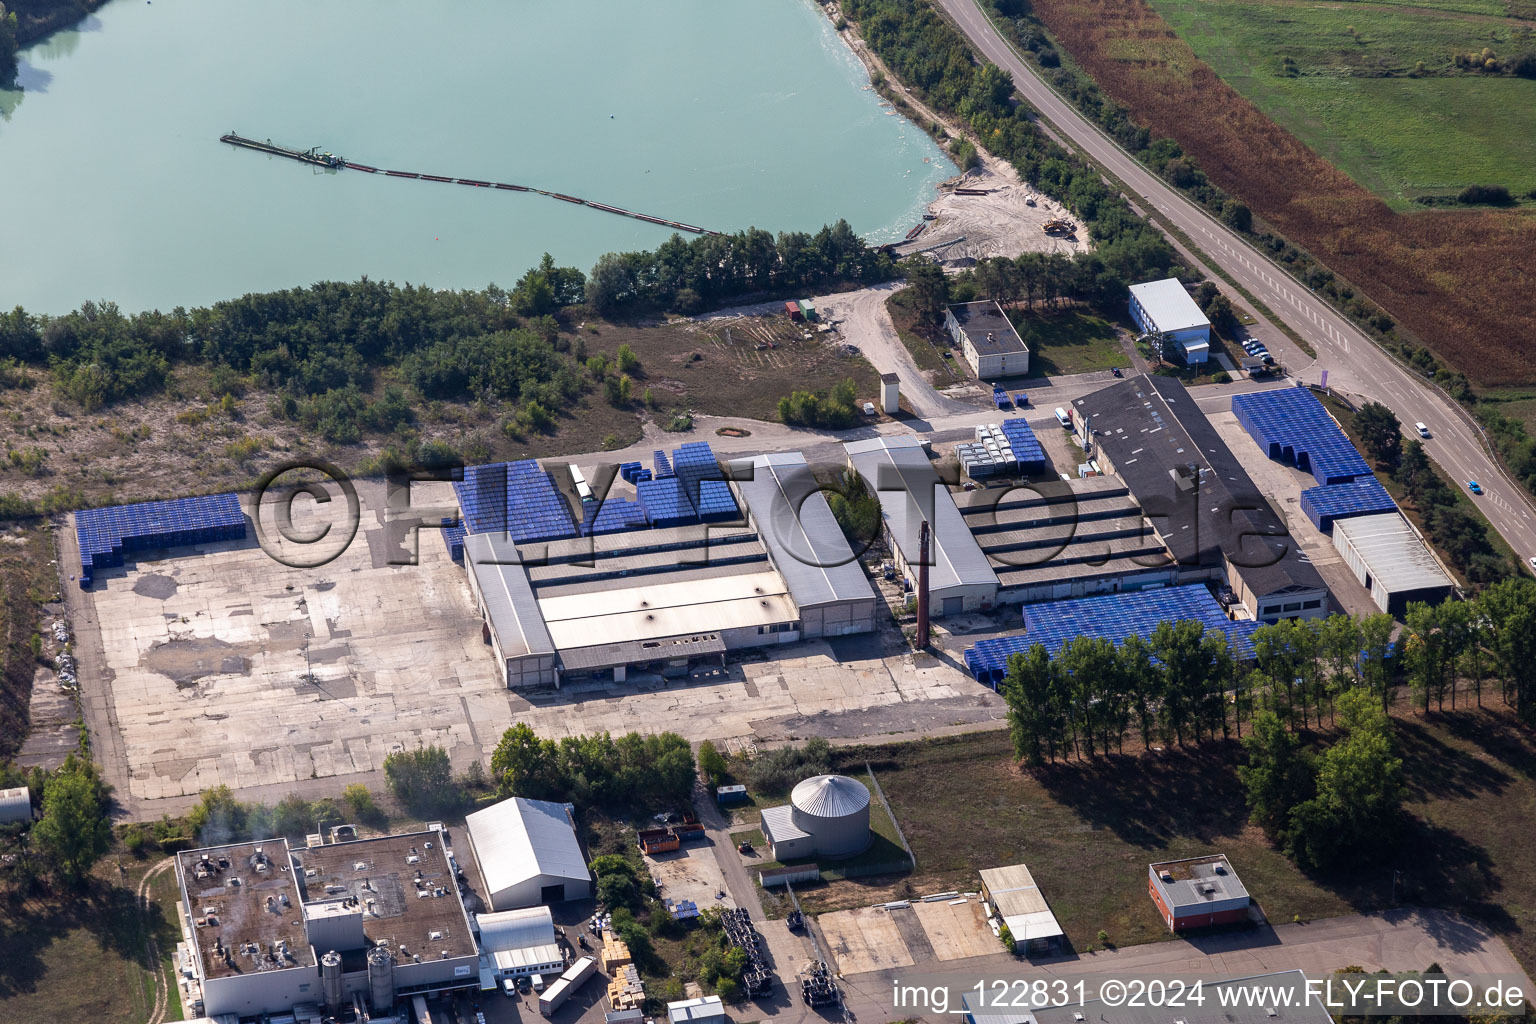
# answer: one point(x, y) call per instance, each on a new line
point(802, 536)
point(779, 824)
point(519, 839)
point(1168, 305)
point(1396, 557)
point(15, 804)
point(518, 929)
point(509, 600)
point(897, 469)
point(666, 610)
point(830, 796)
point(1020, 903)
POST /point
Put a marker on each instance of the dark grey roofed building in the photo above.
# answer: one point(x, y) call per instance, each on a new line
point(1202, 504)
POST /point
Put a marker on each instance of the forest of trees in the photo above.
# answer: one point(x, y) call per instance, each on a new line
point(1183, 685)
point(689, 275)
point(630, 773)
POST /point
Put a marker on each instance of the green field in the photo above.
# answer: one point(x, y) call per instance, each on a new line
point(1374, 88)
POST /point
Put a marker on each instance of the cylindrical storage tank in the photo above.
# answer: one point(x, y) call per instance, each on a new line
point(834, 811)
point(381, 979)
point(330, 980)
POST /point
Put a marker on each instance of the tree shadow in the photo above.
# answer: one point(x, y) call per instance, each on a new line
point(1151, 799)
point(1497, 734)
point(110, 913)
point(1443, 770)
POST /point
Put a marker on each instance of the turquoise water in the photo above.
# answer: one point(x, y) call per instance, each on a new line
point(720, 113)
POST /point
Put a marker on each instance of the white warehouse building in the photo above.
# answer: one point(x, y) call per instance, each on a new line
point(1388, 558)
point(1165, 308)
point(528, 853)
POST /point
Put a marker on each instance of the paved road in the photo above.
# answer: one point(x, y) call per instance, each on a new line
point(1351, 359)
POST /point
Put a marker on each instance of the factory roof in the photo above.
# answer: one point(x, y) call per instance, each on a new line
point(227, 890)
point(405, 885)
point(519, 839)
point(1197, 880)
point(658, 610)
point(897, 469)
point(1397, 559)
point(1020, 903)
point(1169, 305)
point(509, 600)
point(988, 329)
point(1200, 500)
point(520, 938)
point(801, 534)
point(701, 1008)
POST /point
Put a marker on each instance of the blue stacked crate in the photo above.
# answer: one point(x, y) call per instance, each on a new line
point(629, 471)
point(663, 467)
point(1026, 446)
point(1114, 617)
point(1000, 399)
point(1291, 425)
point(105, 535)
point(716, 503)
point(644, 474)
point(453, 537)
point(694, 463)
point(665, 503)
point(1363, 497)
point(516, 498)
point(614, 515)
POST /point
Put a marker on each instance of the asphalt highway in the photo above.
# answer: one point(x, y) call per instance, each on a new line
point(1352, 361)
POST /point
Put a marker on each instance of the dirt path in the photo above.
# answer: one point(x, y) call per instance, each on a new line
point(152, 945)
point(866, 324)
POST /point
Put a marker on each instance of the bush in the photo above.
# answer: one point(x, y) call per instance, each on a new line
point(1485, 195)
point(1221, 377)
point(359, 800)
point(137, 842)
point(712, 764)
point(422, 779)
point(776, 771)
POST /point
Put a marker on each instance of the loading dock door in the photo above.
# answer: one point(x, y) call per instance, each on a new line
point(952, 605)
point(552, 893)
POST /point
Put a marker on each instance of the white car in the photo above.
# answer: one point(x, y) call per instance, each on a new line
point(869, 408)
point(1422, 429)
point(1533, 564)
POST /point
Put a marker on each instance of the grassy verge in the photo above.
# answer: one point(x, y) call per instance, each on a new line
point(1346, 419)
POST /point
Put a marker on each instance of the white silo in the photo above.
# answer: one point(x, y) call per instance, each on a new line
point(330, 980)
point(834, 810)
point(381, 980)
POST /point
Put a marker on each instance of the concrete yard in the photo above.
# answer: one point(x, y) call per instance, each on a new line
point(192, 667)
point(691, 873)
point(957, 931)
point(864, 940)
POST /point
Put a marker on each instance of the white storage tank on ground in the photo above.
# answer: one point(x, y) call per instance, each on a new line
point(833, 809)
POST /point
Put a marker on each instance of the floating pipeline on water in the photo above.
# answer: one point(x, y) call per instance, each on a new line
point(330, 161)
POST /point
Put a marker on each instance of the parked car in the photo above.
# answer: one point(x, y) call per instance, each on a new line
point(1474, 487)
point(1422, 429)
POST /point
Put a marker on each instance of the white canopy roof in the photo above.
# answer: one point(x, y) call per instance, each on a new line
point(519, 839)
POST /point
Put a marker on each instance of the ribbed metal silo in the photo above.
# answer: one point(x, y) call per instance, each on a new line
point(330, 980)
point(834, 809)
point(381, 980)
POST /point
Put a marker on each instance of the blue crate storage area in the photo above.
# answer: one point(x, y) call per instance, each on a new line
point(1291, 425)
point(1363, 497)
point(106, 535)
point(1113, 617)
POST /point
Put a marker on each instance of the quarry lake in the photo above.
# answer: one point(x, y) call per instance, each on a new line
point(718, 114)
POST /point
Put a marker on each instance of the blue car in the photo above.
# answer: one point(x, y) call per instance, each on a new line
point(1474, 487)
